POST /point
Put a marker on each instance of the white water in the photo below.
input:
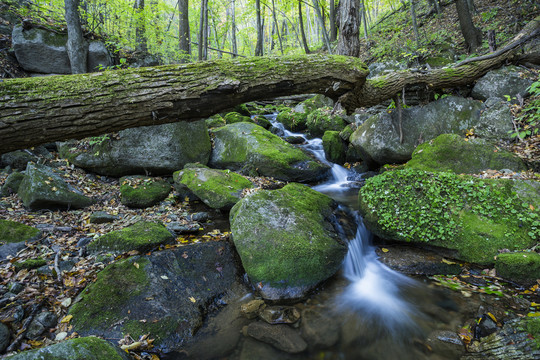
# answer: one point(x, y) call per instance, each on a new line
point(376, 294)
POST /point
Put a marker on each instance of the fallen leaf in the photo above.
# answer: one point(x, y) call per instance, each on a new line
point(67, 319)
point(192, 299)
point(385, 250)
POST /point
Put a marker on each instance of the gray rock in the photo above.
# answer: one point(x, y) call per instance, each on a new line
point(98, 56)
point(281, 337)
point(415, 261)
point(14, 235)
point(319, 328)
point(156, 150)
point(253, 349)
point(380, 68)
point(18, 159)
point(5, 337)
point(500, 83)
point(43, 188)
point(45, 320)
point(495, 120)
point(11, 186)
point(101, 217)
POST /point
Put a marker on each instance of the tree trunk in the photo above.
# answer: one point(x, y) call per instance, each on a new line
point(472, 35)
point(40, 110)
point(364, 20)
point(300, 18)
point(349, 28)
point(140, 29)
point(332, 20)
point(77, 47)
point(233, 28)
point(415, 25)
point(321, 25)
point(276, 27)
point(259, 45)
point(185, 37)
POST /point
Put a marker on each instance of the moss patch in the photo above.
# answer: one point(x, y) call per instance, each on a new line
point(143, 191)
point(234, 117)
point(321, 120)
point(334, 148)
point(291, 120)
point(520, 266)
point(142, 236)
point(30, 264)
point(13, 232)
point(475, 217)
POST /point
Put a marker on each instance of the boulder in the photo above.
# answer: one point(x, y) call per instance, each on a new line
point(321, 120)
point(44, 51)
point(496, 120)
point(501, 83)
point(288, 240)
point(473, 218)
point(334, 147)
point(234, 117)
point(156, 150)
point(377, 139)
point(13, 236)
point(11, 186)
point(142, 191)
point(292, 120)
point(84, 348)
point(164, 294)
point(521, 267)
point(219, 189)
point(281, 337)
point(250, 149)
point(142, 236)
point(451, 152)
point(5, 337)
point(44, 188)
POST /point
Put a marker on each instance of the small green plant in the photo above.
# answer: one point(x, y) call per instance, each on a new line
point(98, 140)
point(488, 15)
point(528, 123)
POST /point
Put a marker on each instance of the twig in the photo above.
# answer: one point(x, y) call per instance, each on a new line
point(57, 268)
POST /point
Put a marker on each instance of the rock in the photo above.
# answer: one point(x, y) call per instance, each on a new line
point(30, 264)
point(500, 83)
point(319, 328)
point(445, 342)
point(166, 294)
point(178, 228)
point(156, 150)
point(234, 117)
point(334, 147)
point(142, 236)
point(102, 217)
point(293, 120)
point(521, 267)
point(18, 159)
point(5, 337)
point(496, 120)
point(43, 188)
point(451, 152)
point(84, 348)
point(45, 320)
point(287, 240)
point(281, 337)
point(13, 236)
point(251, 309)
point(253, 349)
point(219, 189)
point(262, 121)
point(250, 149)
point(321, 120)
point(43, 51)
point(415, 261)
point(199, 217)
point(381, 68)
point(215, 121)
point(295, 140)
point(377, 139)
point(476, 218)
point(279, 314)
point(143, 191)
point(11, 186)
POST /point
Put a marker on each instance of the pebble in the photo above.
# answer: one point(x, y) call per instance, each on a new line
point(61, 336)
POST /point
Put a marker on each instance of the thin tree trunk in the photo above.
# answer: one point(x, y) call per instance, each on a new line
point(203, 31)
point(77, 47)
point(415, 25)
point(140, 28)
point(300, 18)
point(233, 28)
point(364, 20)
point(349, 28)
point(184, 31)
point(276, 27)
point(321, 25)
point(472, 35)
point(332, 19)
point(259, 45)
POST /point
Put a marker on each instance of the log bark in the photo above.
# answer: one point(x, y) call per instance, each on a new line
point(34, 111)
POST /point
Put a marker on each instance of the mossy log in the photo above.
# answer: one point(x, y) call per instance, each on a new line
point(45, 109)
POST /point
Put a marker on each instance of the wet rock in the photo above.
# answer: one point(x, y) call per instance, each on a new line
point(295, 140)
point(15, 287)
point(20, 158)
point(415, 261)
point(281, 337)
point(5, 337)
point(45, 320)
point(199, 217)
point(102, 217)
point(485, 325)
point(179, 228)
point(253, 349)
point(139, 191)
point(319, 329)
point(521, 267)
point(279, 314)
point(251, 309)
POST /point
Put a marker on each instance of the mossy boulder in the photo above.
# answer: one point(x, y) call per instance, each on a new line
point(316, 102)
point(252, 150)
point(165, 294)
point(30, 264)
point(43, 188)
point(142, 236)
point(215, 121)
point(321, 120)
point(219, 189)
point(234, 117)
point(14, 232)
point(451, 152)
point(142, 191)
point(155, 150)
point(287, 239)
point(334, 147)
point(242, 109)
point(292, 120)
point(262, 121)
point(84, 348)
point(521, 267)
point(473, 217)
point(11, 186)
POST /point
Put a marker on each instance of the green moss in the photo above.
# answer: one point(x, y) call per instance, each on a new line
point(30, 264)
point(103, 301)
point(234, 117)
point(377, 82)
point(519, 266)
point(159, 330)
point(321, 120)
point(12, 232)
point(533, 328)
point(143, 191)
point(215, 121)
point(291, 120)
point(262, 121)
point(142, 236)
point(334, 148)
point(475, 217)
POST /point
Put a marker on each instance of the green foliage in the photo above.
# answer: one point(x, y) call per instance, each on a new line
point(529, 121)
point(489, 15)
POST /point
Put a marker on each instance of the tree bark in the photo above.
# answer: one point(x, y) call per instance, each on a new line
point(300, 18)
point(203, 31)
point(332, 21)
point(259, 45)
point(233, 28)
point(472, 35)
point(349, 28)
point(140, 28)
point(184, 33)
point(39, 110)
point(321, 25)
point(415, 25)
point(77, 47)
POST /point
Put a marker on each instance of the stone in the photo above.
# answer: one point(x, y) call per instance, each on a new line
point(451, 152)
point(279, 314)
point(475, 218)
point(5, 337)
point(102, 217)
point(319, 328)
point(500, 83)
point(14, 235)
point(219, 189)
point(166, 294)
point(142, 236)
point(155, 150)
point(281, 337)
point(43, 321)
point(411, 260)
point(43, 188)
point(253, 349)
point(84, 348)
point(11, 186)
point(293, 120)
point(321, 120)
point(139, 191)
point(334, 147)
point(234, 117)
point(520, 267)
point(252, 150)
point(287, 239)
point(496, 120)
point(251, 308)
